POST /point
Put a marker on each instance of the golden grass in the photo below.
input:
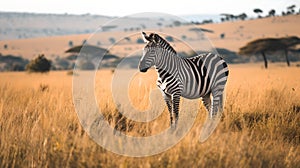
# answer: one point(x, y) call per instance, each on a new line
point(261, 126)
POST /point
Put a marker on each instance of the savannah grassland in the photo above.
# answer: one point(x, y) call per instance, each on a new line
point(260, 128)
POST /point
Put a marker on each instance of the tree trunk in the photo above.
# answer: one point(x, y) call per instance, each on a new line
point(287, 57)
point(265, 59)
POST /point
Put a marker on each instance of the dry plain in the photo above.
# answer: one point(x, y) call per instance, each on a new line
point(39, 126)
point(260, 128)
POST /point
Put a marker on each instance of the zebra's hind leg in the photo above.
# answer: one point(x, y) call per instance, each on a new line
point(215, 113)
point(217, 102)
point(207, 102)
point(169, 103)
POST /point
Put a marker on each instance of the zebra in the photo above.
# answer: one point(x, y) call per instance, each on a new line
point(203, 76)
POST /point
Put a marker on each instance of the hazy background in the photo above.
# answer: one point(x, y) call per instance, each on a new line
point(128, 7)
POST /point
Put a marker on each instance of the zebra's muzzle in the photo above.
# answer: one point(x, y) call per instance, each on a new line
point(144, 70)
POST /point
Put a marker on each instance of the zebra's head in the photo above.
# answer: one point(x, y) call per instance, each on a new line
point(149, 52)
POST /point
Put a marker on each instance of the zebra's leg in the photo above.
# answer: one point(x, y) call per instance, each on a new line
point(168, 101)
point(214, 117)
point(207, 102)
point(217, 101)
point(176, 101)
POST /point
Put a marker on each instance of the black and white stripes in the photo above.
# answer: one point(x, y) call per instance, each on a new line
point(203, 76)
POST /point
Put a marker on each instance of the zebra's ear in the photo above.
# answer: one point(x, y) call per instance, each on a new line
point(145, 37)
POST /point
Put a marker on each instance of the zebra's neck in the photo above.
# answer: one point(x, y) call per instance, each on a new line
point(167, 61)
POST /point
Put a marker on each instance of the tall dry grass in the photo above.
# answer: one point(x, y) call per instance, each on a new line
point(260, 128)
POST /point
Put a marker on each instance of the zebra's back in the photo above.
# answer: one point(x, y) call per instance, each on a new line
point(203, 72)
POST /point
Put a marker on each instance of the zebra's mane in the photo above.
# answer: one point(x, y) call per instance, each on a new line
point(163, 43)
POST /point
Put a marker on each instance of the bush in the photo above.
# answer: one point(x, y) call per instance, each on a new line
point(140, 41)
point(222, 36)
point(71, 43)
point(62, 63)
point(12, 63)
point(169, 39)
point(86, 65)
point(112, 40)
point(39, 64)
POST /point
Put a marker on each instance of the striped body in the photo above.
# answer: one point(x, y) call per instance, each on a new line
point(193, 76)
point(202, 76)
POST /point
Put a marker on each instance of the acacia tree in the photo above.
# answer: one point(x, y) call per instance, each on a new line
point(227, 16)
point(242, 16)
point(258, 11)
point(291, 9)
point(261, 46)
point(272, 12)
point(288, 43)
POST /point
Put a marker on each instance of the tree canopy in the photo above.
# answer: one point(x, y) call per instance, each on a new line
point(257, 10)
point(269, 44)
point(261, 46)
point(89, 49)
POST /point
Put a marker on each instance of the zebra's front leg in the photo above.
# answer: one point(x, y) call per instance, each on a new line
point(176, 102)
point(168, 101)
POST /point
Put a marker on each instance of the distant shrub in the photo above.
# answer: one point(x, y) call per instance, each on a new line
point(12, 63)
point(177, 23)
point(140, 41)
point(71, 43)
point(222, 36)
point(127, 39)
point(62, 63)
point(86, 65)
point(169, 38)
point(17, 67)
point(112, 40)
point(207, 21)
point(5, 46)
point(39, 64)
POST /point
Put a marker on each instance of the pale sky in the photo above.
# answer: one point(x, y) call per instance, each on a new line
point(128, 7)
